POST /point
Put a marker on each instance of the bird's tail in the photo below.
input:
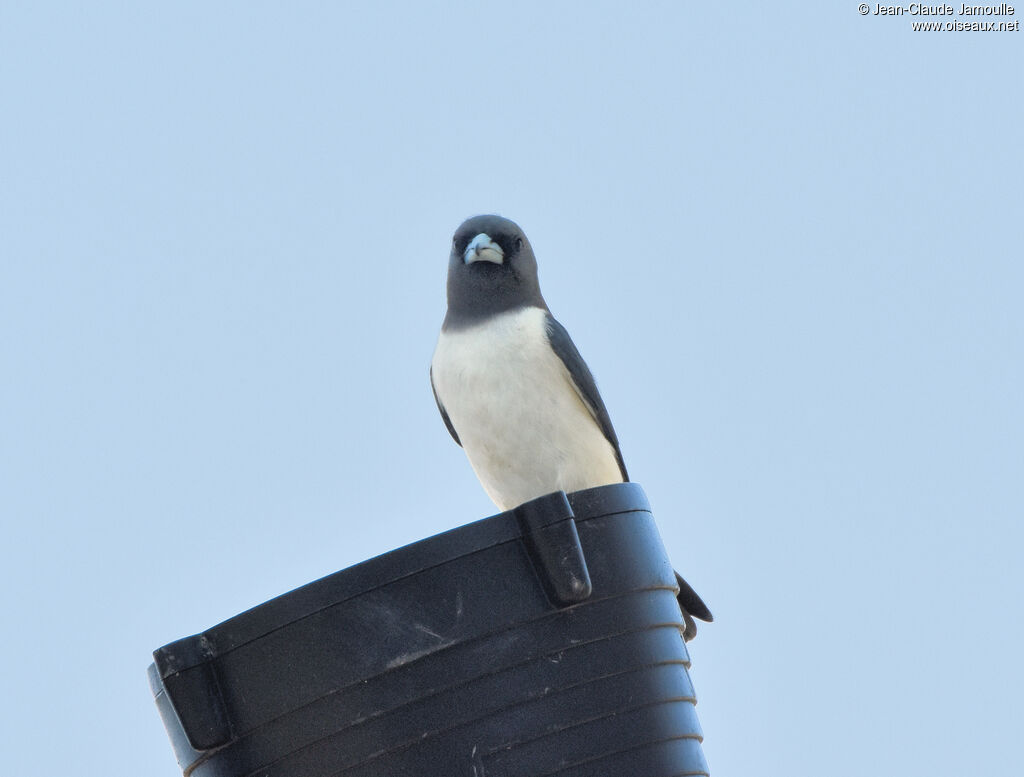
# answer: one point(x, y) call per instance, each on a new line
point(692, 607)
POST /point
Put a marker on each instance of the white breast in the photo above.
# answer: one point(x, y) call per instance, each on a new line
point(521, 422)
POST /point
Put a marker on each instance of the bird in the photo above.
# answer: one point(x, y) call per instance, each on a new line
point(511, 386)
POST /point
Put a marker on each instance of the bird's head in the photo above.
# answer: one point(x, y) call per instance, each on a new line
point(491, 269)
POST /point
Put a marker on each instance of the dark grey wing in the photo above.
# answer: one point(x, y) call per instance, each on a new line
point(444, 414)
point(584, 383)
point(692, 606)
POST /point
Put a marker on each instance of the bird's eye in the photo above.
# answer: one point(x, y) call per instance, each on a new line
point(519, 243)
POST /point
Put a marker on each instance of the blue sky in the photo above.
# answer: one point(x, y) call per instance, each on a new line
point(786, 238)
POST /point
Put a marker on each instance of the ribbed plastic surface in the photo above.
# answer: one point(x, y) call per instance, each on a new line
point(542, 641)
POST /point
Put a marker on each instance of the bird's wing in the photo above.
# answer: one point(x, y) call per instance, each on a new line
point(584, 383)
point(444, 413)
point(444, 418)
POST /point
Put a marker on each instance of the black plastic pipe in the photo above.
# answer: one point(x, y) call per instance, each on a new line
point(546, 640)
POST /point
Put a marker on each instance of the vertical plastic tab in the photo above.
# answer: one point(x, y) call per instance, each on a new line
point(549, 532)
point(190, 684)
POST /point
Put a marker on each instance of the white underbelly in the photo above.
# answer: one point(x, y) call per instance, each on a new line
point(522, 424)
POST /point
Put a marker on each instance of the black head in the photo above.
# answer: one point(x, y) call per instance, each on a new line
point(491, 269)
